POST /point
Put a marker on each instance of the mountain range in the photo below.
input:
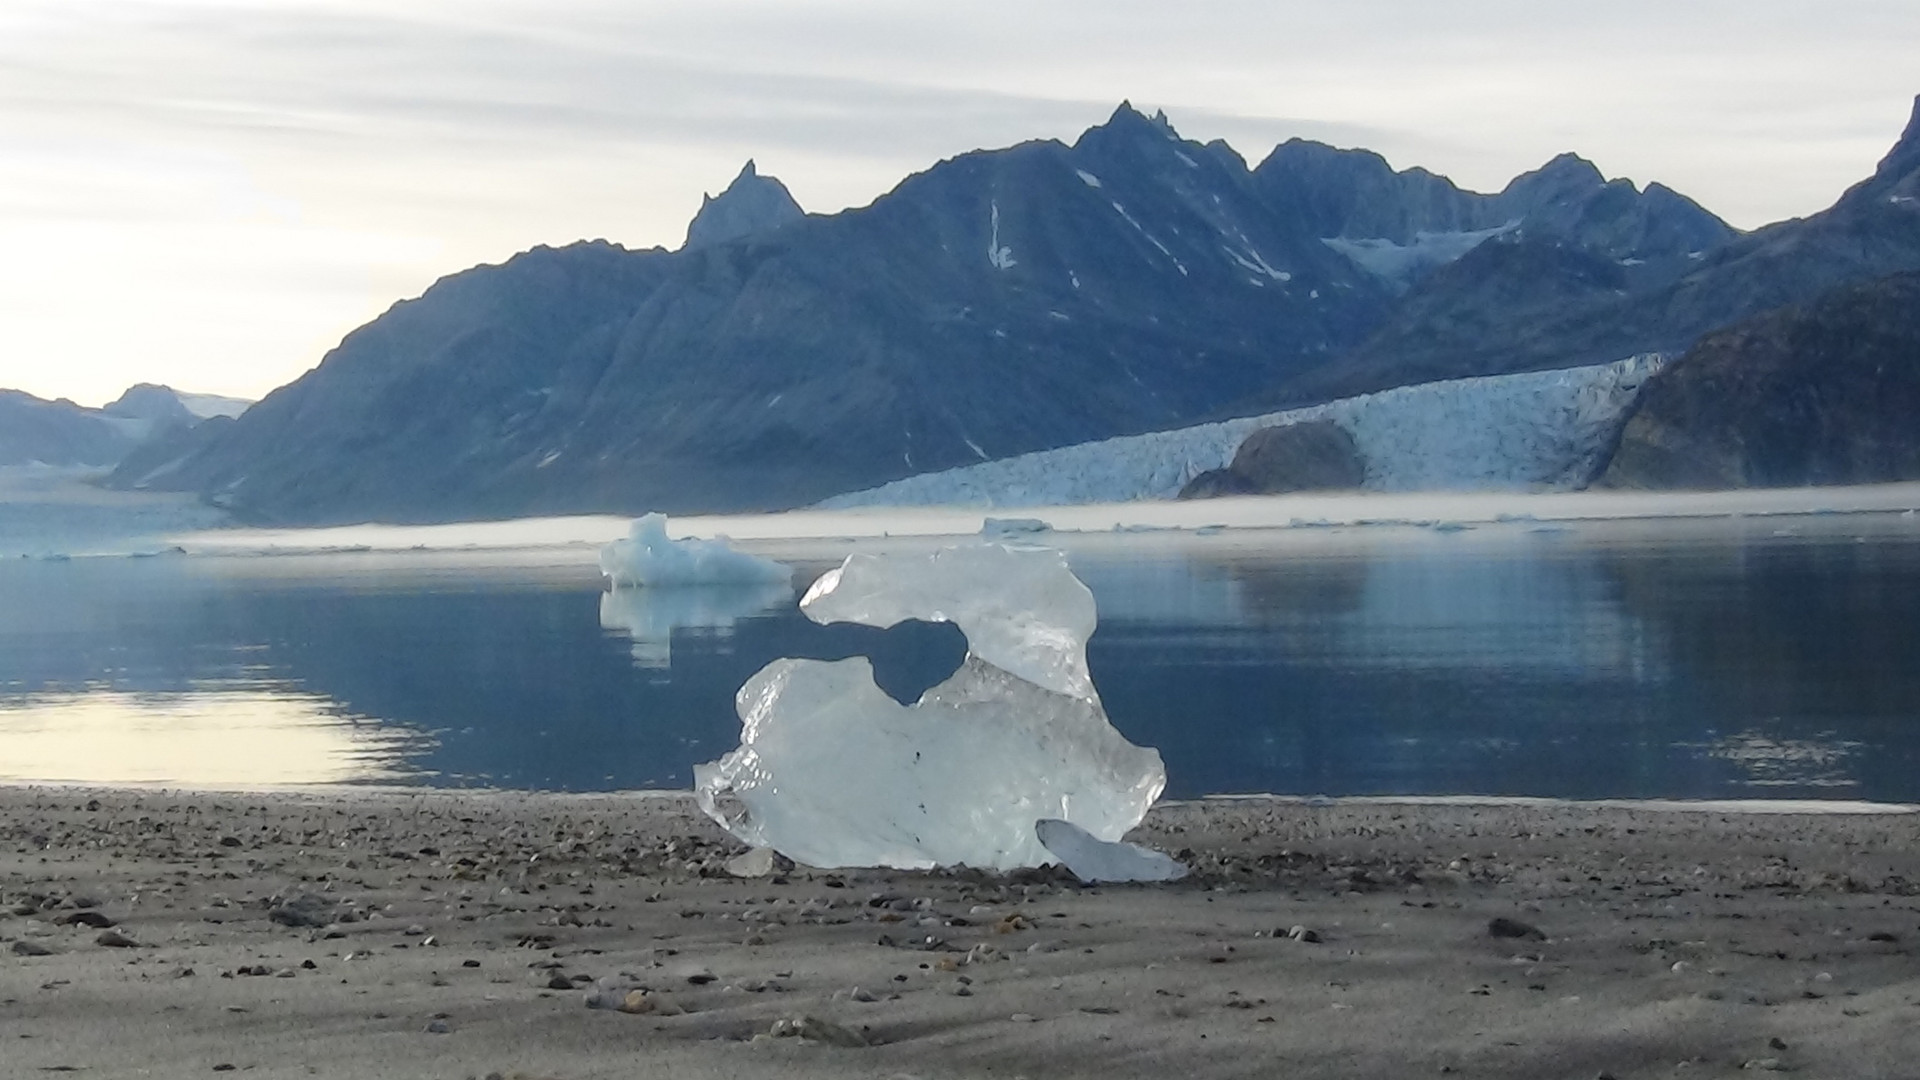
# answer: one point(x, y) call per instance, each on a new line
point(999, 302)
point(37, 431)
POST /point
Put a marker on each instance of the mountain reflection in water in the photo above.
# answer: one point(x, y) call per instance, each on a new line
point(1671, 659)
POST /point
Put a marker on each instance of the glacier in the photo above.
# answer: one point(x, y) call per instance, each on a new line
point(648, 558)
point(1536, 430)
point(831, 771)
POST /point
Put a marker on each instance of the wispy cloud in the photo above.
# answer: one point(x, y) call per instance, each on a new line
point(305, 162)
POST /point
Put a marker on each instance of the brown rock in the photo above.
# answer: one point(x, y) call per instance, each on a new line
point(1312, 455)
point(1824, 393)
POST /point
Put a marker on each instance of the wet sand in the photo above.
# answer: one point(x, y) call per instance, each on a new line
point(384, 934)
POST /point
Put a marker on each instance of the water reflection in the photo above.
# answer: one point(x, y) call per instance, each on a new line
point(1533, 609)
point(650, 616)
point(1671, 660)
point(1767, 762)
point(217, 737)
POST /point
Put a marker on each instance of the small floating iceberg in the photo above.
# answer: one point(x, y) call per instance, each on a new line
point(648, 558)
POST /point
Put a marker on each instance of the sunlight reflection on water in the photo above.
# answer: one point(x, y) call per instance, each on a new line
point(211, 738)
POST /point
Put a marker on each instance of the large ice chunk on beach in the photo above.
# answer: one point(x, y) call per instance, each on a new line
point(832, 772)
point(648, 557)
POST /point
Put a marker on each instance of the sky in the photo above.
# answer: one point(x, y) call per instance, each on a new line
point(211, 193)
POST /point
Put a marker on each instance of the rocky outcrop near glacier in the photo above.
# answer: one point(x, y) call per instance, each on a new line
point(1308, 455)
point(1822, 393)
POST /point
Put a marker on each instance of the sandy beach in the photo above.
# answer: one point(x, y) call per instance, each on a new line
point(381, 933)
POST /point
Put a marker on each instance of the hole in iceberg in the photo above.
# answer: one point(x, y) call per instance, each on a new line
point(909, 658)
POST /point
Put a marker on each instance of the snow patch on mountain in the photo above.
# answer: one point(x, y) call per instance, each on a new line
point(206, 406)
point(1399, 264)
point(1536, 430)
point(999, 256)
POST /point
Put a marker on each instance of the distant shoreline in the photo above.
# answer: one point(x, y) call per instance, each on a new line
point(1243, 513)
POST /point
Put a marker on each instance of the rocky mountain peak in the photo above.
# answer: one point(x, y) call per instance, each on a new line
point(1129, 120)
point(1566, 176)
point(151, 402)
point(1896, 180)
point(751, 204)
point(1904, 158)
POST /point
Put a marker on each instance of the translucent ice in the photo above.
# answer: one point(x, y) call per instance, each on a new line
point(1093, 859)
point(648, 557)
point(832, 772)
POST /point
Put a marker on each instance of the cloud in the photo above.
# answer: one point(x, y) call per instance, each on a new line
point(353, 151)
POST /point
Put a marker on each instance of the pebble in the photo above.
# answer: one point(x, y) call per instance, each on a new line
point(31, 948)
point(1502, 927)
point(1022, 1018)
point(757, 863)
point(818, 1030)
point(114, 939)
point(439, 1027)
point(93, 919)
point(858, 994)
point(559, 982)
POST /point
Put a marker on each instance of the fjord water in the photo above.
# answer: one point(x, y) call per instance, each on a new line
point(1695, 658)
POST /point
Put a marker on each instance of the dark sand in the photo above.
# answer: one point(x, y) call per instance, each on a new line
point(1677, 943)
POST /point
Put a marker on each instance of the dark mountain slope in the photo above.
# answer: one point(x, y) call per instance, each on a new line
point(1458, 324)
point(62, 433)
point(456, 386)
point(55, 432)
point(997, 303)
point(1822, 393)
point(1403, 225)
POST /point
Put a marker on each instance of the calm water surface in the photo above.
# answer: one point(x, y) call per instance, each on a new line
point(1723, 658)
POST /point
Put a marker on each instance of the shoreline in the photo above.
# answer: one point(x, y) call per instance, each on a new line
point(1242, 514)
point(1672, 942)
point(350, 792)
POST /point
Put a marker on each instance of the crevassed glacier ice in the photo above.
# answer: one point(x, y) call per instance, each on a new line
point(648, 557)
point(1533, 430)
point(832, 772)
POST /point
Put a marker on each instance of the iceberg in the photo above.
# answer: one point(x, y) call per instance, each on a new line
point(831, 771)
point(648, 558)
